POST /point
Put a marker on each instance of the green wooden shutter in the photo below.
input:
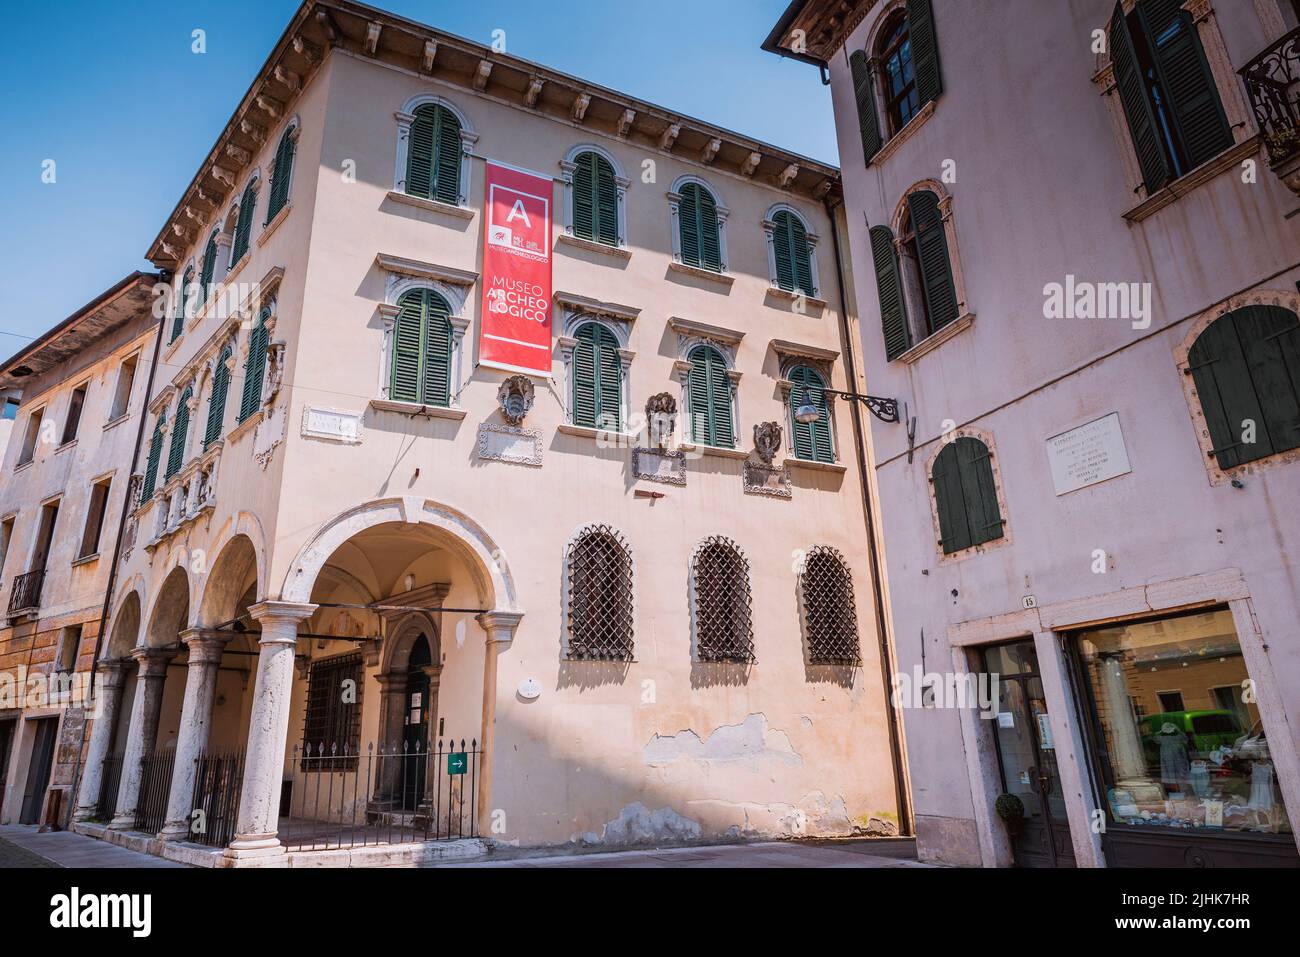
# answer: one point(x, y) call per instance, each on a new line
point(783, 249)
point(280, 180)
point(447, 157)
point(865, 93)
point(243, 225)
point(1137, 108)
point(954, 529)
point(1228, 401)
point(609, 382)
point(889, 286)
point(689, 224)
point(178, 322)
point(709, 390)
point(437, 352)
point(180, 432)
point(584, 197)
point(802, 255)
point(932, 255)
point(155, 454)
point(254, 368)
point(419, 153)
point(584, 377)
point(408, 336)
point(1186, 79)
point(606, 203)
point(209, 266)
point(217, 400)
point(811, 440)
point(979, 493)
point(925, 50)
point(1270, 339)
point(710, 237)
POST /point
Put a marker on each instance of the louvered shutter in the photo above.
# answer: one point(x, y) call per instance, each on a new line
point(1137, 108)
point(243, 225)
point(812, 440)
point(710, 397)
point(280, 181)
point(1228, 401)
point(584, 192)
point(925, 50)
point(865, 94)
point(609, 384)
point(437, 352)
point(447, 156)
point(688, 219)
point(419, 153)
point(606, 202)
point(697, 394)
point(155, 454)
point(217, 400)
point(180, 432)
point(979, 493)
point(254, 369)
point(178, 321)
point(932, 255)
point(954, 530)
point(1270, 338)
point(710, 239)
point(209, 266)
point(783, 250)
point(801, 256)
point(1186, 79)
point(408, 332)
point(584, 378)
point(889, 286)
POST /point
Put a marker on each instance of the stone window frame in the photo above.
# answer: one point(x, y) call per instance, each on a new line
point(790, 360)
point(986, 437)
point(575, 319)
point(722, 210)
point(253, 181)
point(292, 130)
point(566, 575)
point(1256, 297)
point(690, 336)
point(1273, 17)
point(468, 138)
point(1241, 121)
point(457, 297)
point(923, 341)
point(889, 144)
point(769, 237)
point(567, 167)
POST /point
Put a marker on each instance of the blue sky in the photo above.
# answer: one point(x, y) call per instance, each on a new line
point(113, 94)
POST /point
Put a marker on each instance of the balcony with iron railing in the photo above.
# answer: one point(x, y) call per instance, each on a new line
point(1272, 81)
point(25, 595)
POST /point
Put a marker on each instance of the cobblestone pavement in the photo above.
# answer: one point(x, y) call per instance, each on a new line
point(847, 853)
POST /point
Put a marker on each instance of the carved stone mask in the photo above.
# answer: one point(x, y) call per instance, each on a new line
point(767, 440)
point(515, 398)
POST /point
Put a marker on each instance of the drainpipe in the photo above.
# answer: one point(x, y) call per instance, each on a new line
point(112, 568)
point(905, 827)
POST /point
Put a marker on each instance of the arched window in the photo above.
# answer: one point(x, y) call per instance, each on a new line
point(1167, 90)
point(1246, 367)
point(792, 254)
point(244, 223)
point(966, 495)
point(180, 432)
point(255, 366)
point(597, 378)
point(434, 156)
point(421, 363)
point(907, 74)
point(217, 398)
point(724, 628)
point(700, 235)
point(178, 321)
point(282, 173)
point(209, 268)
point(709, 396)
point(595, 199)
point(830, 616)
point(155, 456)
point(599, 595)
point(811, 440)
point(864, 92)
point(889, 287)
point(925, 247)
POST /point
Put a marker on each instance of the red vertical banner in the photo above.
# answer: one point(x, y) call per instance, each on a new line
point(515, 320)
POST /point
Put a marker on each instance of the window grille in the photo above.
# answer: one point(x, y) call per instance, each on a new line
point(724, 628)
point(600, 596)
point(830, 615)
point(332, 723)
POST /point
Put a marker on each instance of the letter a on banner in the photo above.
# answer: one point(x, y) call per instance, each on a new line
point(515, 323)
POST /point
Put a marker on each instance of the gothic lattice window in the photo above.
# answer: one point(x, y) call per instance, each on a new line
point(830, 616)
point(724, 628)
point(600, 595)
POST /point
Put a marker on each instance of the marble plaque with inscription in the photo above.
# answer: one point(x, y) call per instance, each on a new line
point(1087, 455)
point(659, 465)
point(507, 443)
point(767, 480)
point(333, 424)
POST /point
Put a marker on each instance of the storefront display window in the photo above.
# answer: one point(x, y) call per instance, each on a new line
point(1180, 731)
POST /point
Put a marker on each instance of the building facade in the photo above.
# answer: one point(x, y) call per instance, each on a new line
point(374, 591)
point(1077, 273)
point(61, 499)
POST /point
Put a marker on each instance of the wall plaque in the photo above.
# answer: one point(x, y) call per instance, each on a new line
point(766, 480)
point(332, 424)
point(1087, 455)
point(508, 443)
point(659, 465)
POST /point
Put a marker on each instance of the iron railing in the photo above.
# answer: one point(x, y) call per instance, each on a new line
point(155, 785)
point(1273, 82)
point(218, 781)
point(26, 592)
point(111, 778)
point(343, 797)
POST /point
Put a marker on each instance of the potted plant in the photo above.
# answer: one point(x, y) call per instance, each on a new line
point(1012, 811)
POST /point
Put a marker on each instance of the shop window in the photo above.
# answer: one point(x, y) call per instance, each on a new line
point(331, 730)
point(1195, 759)
point(830, 616)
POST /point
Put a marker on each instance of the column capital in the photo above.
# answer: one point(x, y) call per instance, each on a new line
point(500, 625)
point(282, 612)
point(114, 670)
point(153, 661)
point(205, 645)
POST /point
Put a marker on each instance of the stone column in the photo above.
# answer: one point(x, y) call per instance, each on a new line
point(196, 721)
point(500, 627)
point(268, 728)
point(109, 680)
point(1126, 748)
point(146, 709)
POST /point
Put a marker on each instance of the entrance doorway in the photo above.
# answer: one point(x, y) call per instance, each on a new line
point(1027, 756)
point(38, 773)
point(415, 730)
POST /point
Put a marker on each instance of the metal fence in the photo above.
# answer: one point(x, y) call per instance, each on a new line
point(1273, 82)
point(26, 591)
point(342, 797)
point(155, 785)
point(111, 778)
point(218, 781)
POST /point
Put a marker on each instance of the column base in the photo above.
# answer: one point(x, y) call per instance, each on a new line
point(174, 831)
point(83, 814)
point(123, 822)
point(254, 845)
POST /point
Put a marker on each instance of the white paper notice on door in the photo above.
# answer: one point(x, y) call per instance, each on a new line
point(1045, 732)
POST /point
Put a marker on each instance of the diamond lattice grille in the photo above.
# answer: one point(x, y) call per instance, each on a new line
point(723, 624)
point(830, 617)
point(600, 596)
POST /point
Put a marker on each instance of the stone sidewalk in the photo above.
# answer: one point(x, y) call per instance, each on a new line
point(837, 854)
point(22, 846)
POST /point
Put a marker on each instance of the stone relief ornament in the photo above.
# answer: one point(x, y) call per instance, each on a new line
point(767, 440)
point(275, 370)
point(661, 417)
point(515, 398)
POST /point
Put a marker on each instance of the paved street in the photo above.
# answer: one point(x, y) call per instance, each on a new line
point(846, 853)
point(22, 846)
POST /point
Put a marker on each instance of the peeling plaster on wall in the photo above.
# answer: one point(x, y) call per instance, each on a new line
point(637, 824)
point(814, 816)
point(750, 743)
point(806, 723)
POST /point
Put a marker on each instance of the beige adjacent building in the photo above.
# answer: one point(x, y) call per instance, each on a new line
point(63, 485)
point(374, 593)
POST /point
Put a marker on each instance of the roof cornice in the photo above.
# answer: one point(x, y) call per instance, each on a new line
point(814, 30)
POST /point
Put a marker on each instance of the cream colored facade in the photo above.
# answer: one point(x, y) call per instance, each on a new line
point(287, 517)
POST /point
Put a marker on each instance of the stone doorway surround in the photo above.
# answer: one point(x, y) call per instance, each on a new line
point(1047, 625)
